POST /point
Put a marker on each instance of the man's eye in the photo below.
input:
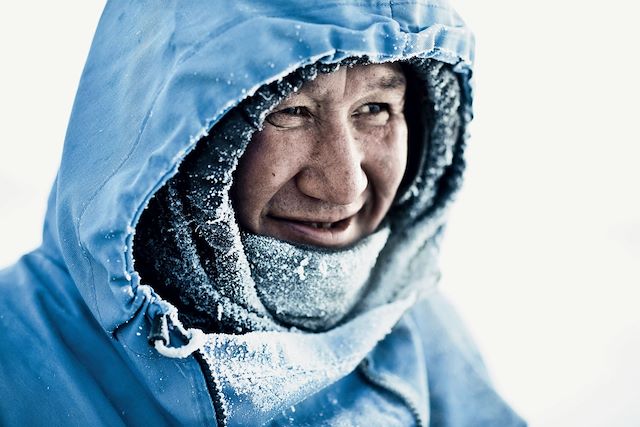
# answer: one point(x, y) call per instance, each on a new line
point(294, 111)
point(375, 113)
point(373, 108)
point(288, 117)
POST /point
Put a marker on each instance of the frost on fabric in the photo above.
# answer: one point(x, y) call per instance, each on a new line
point(310, 288)
point(443, 93)
point(271, 371)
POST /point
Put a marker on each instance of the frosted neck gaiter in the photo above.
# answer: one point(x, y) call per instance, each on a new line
point(310, 288)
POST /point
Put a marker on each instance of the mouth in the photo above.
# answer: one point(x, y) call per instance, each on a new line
point(335, 225)
point(313, 231)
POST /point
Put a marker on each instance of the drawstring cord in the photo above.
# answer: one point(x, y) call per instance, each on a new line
point(163, 315)
point(160, 339)
point(159, 330)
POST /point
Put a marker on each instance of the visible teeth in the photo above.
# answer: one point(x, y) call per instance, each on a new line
point(323, 225)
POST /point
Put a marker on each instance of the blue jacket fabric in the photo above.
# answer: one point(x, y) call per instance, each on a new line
point(74, 314)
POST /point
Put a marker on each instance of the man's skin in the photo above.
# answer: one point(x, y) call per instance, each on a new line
point(325, 168)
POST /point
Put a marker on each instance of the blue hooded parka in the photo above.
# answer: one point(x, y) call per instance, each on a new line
point(74, 314)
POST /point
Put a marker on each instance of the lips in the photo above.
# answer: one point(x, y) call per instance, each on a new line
point(324, 225)
point(317, 232)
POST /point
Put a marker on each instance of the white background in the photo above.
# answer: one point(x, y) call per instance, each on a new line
point(542, 251)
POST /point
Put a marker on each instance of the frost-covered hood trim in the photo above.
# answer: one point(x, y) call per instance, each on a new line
point(158, 78)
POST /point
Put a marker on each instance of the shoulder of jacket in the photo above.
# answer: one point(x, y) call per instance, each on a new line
point(35, 295)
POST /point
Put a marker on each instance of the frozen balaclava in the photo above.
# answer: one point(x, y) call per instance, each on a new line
point(190, 249)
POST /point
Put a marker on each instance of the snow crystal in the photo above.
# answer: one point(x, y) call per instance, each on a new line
point(129, 291)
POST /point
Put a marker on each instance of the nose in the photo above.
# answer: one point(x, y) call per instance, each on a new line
point(334, 171)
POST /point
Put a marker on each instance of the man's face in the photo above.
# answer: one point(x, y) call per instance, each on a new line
point(326, 167)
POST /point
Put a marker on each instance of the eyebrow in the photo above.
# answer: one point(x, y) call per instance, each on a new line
point(388, 82)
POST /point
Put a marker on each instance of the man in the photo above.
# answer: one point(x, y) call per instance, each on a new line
point(244, 229)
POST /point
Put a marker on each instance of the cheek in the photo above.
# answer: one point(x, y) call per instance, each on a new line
point(261, 171)
point(387, 151)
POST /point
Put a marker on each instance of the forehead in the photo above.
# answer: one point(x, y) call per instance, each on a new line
point(358, 80)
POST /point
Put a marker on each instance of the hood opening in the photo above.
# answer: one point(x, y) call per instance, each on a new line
point(187, 245)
